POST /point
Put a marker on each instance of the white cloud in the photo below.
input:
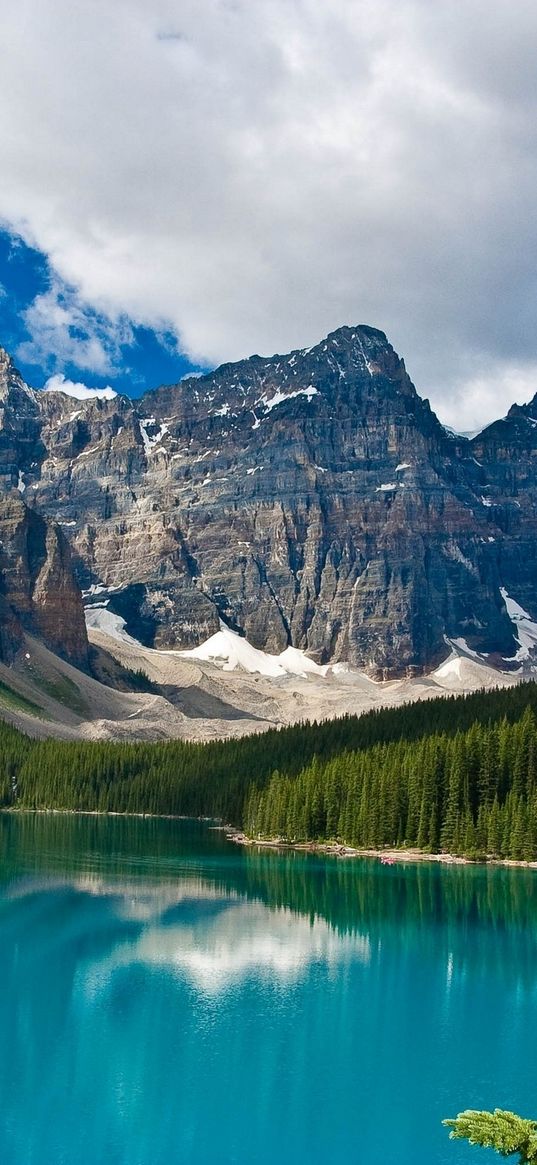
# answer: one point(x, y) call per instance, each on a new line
point(63, 330)
point(59, 383)
point(482, 397)
point(259, 172)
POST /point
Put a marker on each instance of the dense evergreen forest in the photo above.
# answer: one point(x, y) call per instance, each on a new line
point(456, 774)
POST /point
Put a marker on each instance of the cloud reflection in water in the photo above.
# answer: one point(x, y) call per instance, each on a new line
point(215, 940)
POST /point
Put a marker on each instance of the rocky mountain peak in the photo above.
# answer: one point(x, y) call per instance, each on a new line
point(311, 499)
point(354, 368)
point(6, 363)
point(10, 377)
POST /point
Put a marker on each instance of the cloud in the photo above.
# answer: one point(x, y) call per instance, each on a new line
point(481, 398)
point(59, 383)
point(257, 173)
point(64, 330)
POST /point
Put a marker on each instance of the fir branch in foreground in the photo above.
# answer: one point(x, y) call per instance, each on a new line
point(503, 1131)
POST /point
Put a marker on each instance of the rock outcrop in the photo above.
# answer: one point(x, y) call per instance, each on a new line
point(38, 590)
point(312, 499)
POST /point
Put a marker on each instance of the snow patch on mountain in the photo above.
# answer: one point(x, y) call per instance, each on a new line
point(280, 397)
point(151, 442)
point(464, 670)
point(231, 651)
point(99, 618)
point(525, 628)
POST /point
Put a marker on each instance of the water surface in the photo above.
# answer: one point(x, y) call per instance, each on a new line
point(171, 999)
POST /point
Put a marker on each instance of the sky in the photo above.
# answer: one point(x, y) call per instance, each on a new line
point(187, 182)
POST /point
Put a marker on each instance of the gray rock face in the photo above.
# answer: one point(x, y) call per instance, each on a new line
point(311, 499)
point(38, 590)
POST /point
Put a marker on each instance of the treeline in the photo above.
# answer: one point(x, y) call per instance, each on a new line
point(474, 793)
point(455, 773)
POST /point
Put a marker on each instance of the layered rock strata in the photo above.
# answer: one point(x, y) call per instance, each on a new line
point(312, 499)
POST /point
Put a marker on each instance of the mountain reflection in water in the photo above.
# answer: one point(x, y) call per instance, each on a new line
point(169, 997)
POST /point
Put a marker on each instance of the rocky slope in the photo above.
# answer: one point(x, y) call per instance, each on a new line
point(312, 499)
point(193, 699)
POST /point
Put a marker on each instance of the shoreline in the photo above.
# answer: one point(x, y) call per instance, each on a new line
point(390, 855)
point(113, 813)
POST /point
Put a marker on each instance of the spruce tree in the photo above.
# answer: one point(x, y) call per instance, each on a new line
point(503, 1131)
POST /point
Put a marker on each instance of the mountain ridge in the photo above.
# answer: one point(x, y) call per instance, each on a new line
point(311, 500)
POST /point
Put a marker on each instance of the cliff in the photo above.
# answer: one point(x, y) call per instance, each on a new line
point(312, 499)
point(38, 589)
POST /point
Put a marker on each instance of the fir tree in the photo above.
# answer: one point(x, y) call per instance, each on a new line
point(503, 1131)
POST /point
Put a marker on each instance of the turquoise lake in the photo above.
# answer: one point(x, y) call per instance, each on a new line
point(169, 998)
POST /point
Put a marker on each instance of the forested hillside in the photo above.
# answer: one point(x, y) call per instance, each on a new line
point(456, 774)
point(474, 793)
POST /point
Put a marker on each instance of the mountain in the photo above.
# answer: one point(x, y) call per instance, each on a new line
point(39, 593)
point(311, 500)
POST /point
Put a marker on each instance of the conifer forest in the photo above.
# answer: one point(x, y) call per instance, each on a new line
point(455, 775)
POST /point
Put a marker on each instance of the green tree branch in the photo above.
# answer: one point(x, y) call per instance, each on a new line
point(503, 1131)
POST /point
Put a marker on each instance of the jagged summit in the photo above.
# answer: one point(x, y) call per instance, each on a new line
point(357, 346)
point(353, 367)
point(6, 362)
point(10, 377)
point(311, 500)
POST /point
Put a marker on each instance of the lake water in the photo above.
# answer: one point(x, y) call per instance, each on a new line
point(168, 998)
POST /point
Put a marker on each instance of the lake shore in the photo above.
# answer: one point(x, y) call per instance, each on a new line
point(329, 849)
point(388, 856)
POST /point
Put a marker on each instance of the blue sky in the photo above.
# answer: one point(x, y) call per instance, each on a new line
point(243, 176)
point(135, 358)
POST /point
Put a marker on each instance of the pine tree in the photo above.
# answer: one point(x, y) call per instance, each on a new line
point(503, 1131)
point(494, 833)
